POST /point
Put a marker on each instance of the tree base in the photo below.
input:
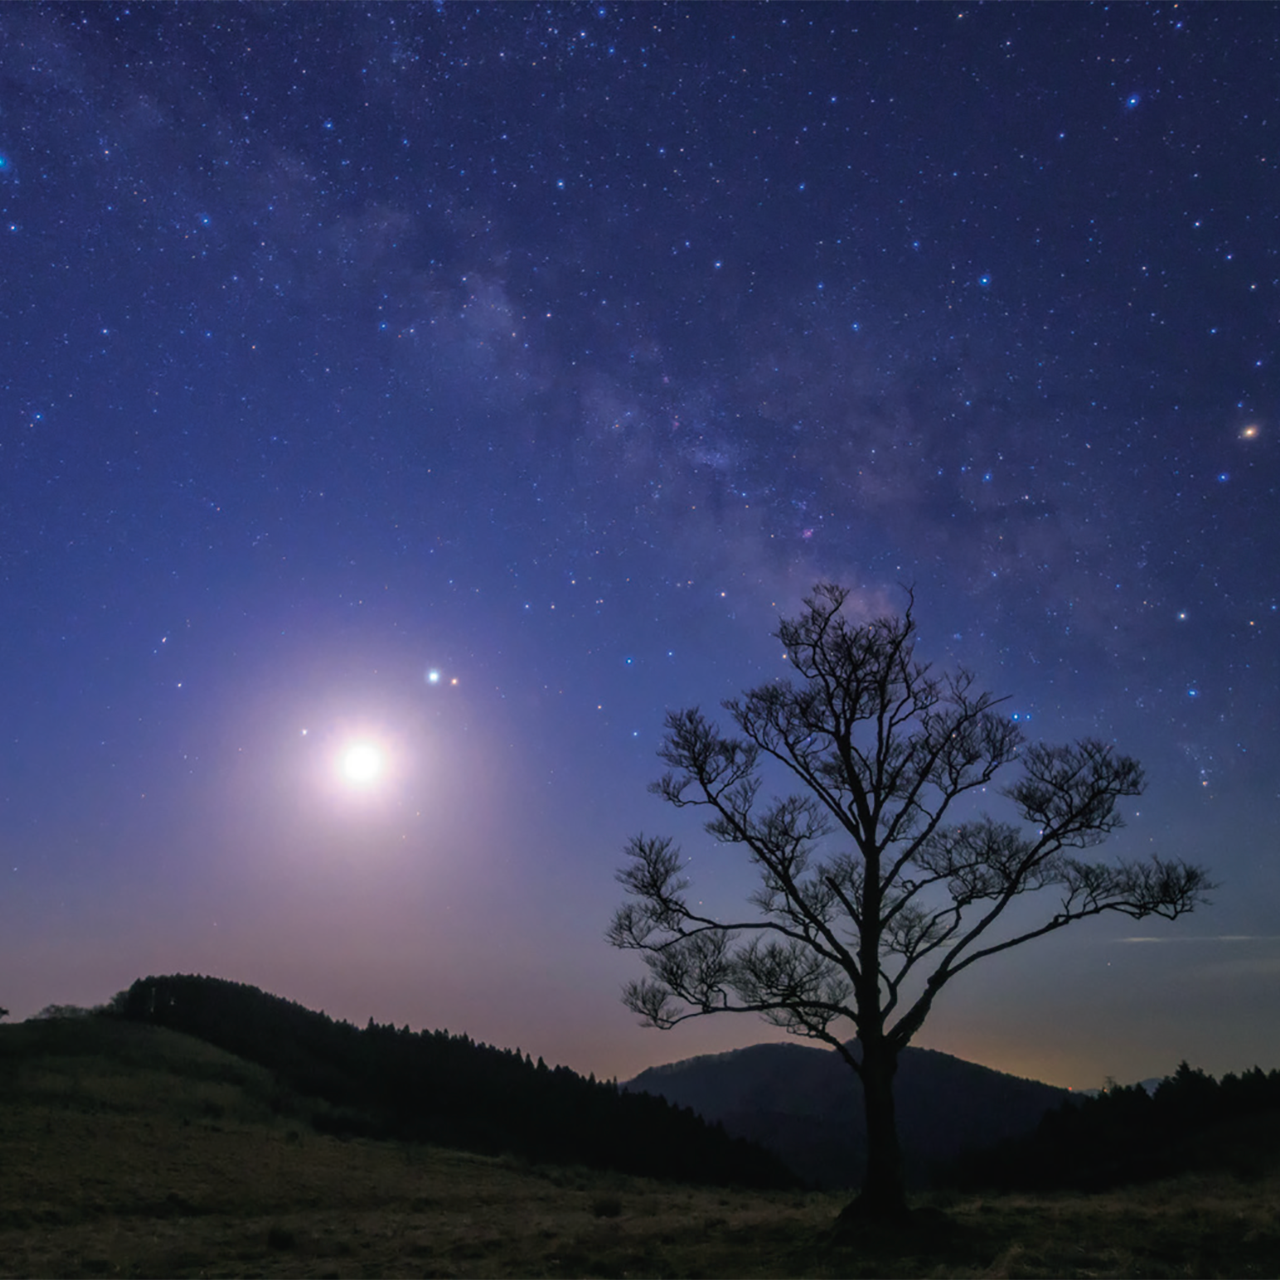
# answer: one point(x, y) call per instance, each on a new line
point(865, 1216)
point(872, 1217)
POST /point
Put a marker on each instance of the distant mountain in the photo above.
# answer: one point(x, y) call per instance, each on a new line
point(447, 1089)
point(805, 1105)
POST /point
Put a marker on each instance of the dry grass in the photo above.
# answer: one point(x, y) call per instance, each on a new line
point(167, 1159)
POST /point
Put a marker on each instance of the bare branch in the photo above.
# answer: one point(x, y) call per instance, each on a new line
point(1071, 791)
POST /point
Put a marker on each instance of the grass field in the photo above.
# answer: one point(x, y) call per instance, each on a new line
point(129, 1150)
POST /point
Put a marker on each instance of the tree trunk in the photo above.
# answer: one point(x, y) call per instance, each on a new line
point(883, 1198)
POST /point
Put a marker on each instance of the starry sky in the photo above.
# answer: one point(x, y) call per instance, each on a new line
point(479, 383)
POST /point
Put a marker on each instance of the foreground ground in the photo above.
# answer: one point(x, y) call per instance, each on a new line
point(158, 1155)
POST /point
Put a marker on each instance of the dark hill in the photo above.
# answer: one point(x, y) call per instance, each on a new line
point(805, 1105)
point(449, 1090)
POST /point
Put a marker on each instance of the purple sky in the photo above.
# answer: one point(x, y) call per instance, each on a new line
point(556, 351)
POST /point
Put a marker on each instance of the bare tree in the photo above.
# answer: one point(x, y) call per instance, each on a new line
point(878, 883)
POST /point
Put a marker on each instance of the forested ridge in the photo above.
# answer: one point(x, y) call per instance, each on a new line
point(1127, 1134)
point(433, 1086)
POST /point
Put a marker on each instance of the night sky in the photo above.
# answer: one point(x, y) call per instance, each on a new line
point(479, 383)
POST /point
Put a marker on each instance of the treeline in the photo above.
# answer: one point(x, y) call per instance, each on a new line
point(431, 1086)
point(1189, 1122)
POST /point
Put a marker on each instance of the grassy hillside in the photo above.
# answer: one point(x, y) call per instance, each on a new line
point(134, 1150)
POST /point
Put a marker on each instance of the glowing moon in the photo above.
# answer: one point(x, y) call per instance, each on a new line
point(361, 763)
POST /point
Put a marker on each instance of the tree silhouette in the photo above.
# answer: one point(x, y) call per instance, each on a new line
point(863, 931)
